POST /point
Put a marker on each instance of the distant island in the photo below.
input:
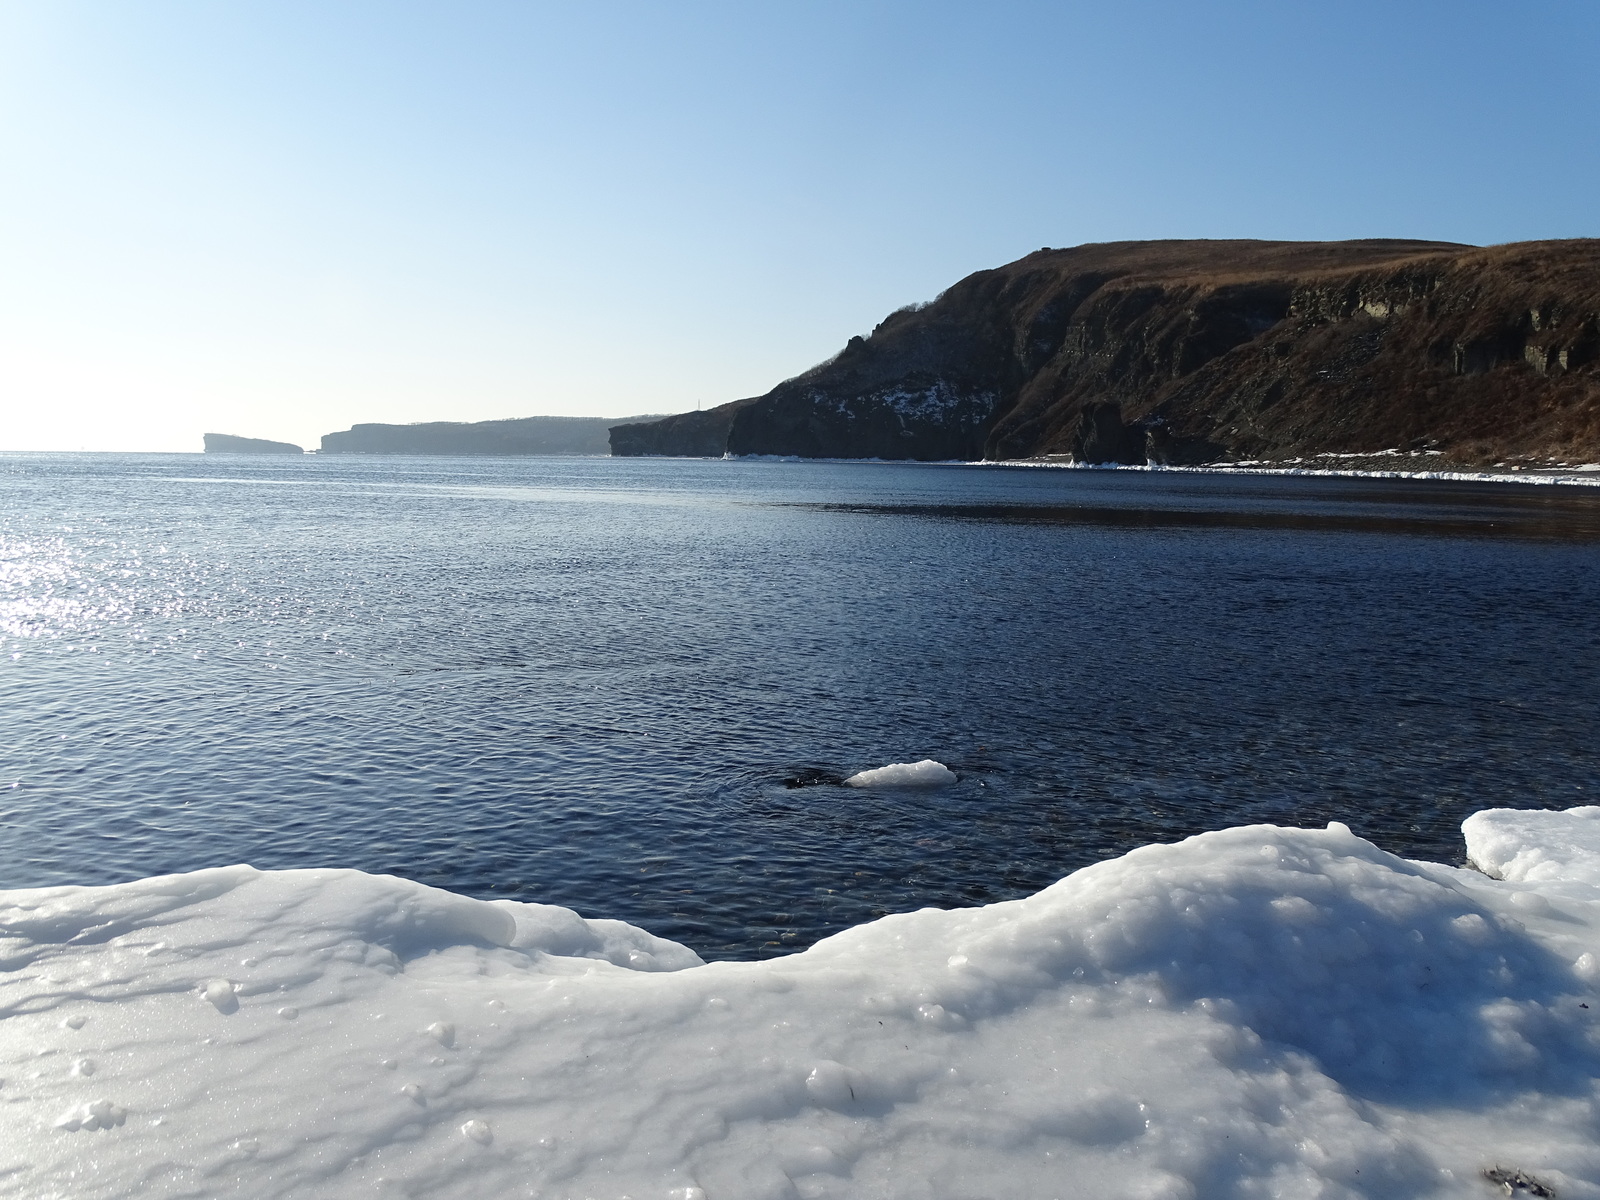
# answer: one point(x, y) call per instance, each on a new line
point(227, 443)
point(1194, 352)
point(523, 435)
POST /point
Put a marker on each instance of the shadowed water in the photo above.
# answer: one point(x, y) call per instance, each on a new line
point(626, 686)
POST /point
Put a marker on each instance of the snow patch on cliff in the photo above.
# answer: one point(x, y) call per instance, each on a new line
point(937, 403)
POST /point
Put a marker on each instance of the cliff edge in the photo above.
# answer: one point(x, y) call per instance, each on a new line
point(1186, 352)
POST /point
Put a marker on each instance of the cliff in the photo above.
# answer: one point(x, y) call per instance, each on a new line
point(524, 435)
point(226, 443)
point(1198, 351)
point(700, 434)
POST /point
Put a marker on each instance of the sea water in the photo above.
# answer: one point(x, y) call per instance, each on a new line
point(635, 687)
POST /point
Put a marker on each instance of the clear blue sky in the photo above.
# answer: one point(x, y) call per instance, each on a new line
point(276, 219)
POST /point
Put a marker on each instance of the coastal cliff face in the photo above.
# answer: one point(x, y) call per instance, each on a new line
point(1192, 352)
point(700, 434)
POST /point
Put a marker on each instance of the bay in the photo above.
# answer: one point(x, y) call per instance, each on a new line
point(628, 685)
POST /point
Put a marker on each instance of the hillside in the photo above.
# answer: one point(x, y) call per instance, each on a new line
point(1198, 351)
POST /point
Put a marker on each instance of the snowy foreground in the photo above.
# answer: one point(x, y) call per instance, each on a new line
point(1255, 1012)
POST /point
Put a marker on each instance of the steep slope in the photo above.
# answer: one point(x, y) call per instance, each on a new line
point(1204, 350)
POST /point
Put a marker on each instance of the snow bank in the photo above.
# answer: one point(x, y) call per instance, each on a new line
point(1255, 1012)
point(927, 773)
point(1536, 846)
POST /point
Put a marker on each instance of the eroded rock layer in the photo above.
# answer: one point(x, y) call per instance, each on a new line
point(1187, 352)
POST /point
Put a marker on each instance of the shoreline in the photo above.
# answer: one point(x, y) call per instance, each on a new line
point(1586, 475)
point(1583, 475)
point(1371, 466)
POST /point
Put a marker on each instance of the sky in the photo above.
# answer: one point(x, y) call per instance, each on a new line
point(279, 219)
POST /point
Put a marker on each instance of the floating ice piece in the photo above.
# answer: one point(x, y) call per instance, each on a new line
point(927, 773)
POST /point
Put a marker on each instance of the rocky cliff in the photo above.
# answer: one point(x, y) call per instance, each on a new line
point(227, 443)
point(1198, 351)
point(685, 435)
point(523, 435)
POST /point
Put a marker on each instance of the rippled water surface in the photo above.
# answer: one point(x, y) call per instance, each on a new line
point(594, 682)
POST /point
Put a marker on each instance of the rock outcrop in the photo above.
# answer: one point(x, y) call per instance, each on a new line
point(227, 443)
point(523, 435)
point(700, 434)
point(1191, 352)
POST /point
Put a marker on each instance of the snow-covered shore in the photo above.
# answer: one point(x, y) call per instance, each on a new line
point(1382, 465)
point(1254, 1012)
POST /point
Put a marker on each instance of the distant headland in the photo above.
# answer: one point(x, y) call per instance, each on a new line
point(1196, 352)
point(525, 435)
point(522, 435)
point(227, 443)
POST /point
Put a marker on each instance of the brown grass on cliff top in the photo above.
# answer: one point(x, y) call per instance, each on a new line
point(1555, 263)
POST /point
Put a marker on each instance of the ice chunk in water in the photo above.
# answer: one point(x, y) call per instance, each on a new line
point(927, 773)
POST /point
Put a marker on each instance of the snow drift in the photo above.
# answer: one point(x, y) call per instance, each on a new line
point(1254, 1012)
